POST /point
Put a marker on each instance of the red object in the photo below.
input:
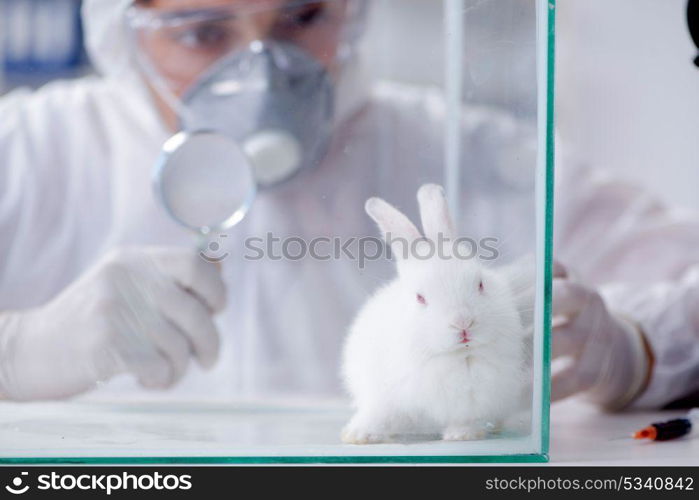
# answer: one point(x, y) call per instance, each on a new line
point(665, 431)
point(649, 432)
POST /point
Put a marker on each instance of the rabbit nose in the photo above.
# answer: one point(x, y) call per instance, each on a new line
point(463, 326)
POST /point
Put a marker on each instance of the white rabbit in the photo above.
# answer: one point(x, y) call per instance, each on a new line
point(439, 350)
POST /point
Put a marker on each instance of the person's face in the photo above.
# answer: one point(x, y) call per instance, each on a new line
point(182, 53)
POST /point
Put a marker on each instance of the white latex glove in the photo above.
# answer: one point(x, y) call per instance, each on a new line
point(608, 359)
point(141, 311)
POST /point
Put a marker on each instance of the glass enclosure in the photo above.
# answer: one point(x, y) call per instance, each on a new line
point(336, 347)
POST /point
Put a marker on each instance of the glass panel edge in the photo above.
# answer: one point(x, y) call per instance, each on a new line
point(530, 458)
point(550, 176)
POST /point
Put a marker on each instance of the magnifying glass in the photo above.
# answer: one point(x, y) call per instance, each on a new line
point(205, 182)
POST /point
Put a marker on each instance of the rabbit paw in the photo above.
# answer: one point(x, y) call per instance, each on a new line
point(360, 435)
point(464, 433)
point(365, 429)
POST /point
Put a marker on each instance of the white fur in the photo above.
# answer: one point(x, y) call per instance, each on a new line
point(403, 361)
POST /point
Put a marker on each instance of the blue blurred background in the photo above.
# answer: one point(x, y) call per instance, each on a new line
point(40, 40)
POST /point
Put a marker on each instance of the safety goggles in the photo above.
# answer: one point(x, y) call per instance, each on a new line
point(182, 44)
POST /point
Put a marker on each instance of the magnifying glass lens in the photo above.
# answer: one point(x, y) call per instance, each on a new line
point(205, 181)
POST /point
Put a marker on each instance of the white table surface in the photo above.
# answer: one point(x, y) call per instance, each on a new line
point(583, 435)
point(152, 428)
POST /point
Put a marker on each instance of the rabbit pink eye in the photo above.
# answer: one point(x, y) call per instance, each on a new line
point(480, 286)
point(421, 300)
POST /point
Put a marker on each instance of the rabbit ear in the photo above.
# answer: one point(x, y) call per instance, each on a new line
point(394, 225)
point(434, 212)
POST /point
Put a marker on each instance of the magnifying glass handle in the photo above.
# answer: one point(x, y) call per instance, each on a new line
point(203, 240)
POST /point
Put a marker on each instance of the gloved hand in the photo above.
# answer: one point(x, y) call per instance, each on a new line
point(607, 353)
point(142, 311)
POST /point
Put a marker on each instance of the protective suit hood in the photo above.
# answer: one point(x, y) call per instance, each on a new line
point(106, 39)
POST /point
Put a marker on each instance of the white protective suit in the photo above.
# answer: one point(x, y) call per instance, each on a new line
point(75, 168)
